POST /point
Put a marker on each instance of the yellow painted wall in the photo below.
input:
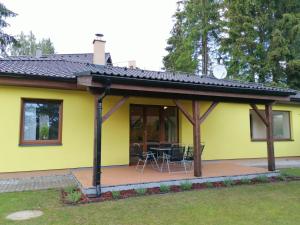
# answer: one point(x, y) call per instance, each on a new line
point(226, 131)
point(77, 138)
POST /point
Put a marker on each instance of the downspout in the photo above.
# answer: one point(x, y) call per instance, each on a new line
point(97, 149)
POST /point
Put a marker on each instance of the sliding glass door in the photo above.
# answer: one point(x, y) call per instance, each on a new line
point(152, 125)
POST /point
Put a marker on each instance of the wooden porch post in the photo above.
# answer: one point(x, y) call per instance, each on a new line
point(196, 139)
point(270, 140)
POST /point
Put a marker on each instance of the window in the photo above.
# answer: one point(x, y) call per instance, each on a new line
point(281, 126)
point(41, 122)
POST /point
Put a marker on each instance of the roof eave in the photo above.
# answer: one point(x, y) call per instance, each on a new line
point(138, 81)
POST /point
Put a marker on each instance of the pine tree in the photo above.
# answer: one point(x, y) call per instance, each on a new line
point(194, 37)
point(180, 47)
point(261, 37)
point(5, 39)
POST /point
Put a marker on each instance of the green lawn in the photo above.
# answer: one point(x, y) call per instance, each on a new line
point(291, 171)
point(261, 204)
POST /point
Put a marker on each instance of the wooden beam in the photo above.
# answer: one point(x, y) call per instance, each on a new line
point(185, 113)
point(197, 139)
point(114, 108)
point(208, 111)
point(39, 83)
point(270, 140)
point(264, 120)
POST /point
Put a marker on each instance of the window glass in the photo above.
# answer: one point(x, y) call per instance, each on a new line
point(41, 120)
point(170, 123)
point(281, 125)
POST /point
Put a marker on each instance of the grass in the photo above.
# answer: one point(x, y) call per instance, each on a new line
point(291, 171)
point(262, 179)
point(270, 203)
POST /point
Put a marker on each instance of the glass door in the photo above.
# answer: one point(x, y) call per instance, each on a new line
point(152, 125)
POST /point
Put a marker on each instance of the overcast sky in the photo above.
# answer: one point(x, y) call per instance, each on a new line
point(133, 29)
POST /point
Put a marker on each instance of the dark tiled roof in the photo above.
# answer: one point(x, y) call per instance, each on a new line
point(43, 67)
point(296, 97)
point(179, 77)
point(68, 69)
point(81, 57)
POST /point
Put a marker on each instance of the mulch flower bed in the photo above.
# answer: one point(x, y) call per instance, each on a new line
point(108, 196)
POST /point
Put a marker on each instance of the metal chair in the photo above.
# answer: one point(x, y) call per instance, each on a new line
point(145, 157)
point(176, 156)
point(189, 154)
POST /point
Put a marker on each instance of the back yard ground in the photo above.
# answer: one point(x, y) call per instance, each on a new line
point(277, 203)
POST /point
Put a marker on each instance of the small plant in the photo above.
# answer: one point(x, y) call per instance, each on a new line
point(164, 188)
point(228, 182)
point(116, 194)
point(209, 184)
point(74, 196)
point(141, 191)
point(246, 181)
point(262, 179)
point(70, 189)
point(186, 185)
point(281, 177)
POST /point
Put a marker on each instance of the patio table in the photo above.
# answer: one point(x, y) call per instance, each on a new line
point(161, 150)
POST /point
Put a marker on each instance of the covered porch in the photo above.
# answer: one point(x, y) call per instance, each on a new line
point(102, 83)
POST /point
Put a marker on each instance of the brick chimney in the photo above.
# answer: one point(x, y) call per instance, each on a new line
point(99, 50)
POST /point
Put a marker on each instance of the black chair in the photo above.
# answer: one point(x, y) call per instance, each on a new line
point(134, 150)
point(189, 154)
point(163, 145)
point(176, 156)
point(145, 157)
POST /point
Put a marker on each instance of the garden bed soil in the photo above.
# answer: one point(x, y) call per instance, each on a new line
point(107, 196)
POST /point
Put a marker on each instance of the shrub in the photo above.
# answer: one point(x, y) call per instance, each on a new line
point(186, 185)
point(262, 178)
point(245, 181)
point(141, 191)
point(116, 194)
point(228, 182)
point(209, 184)
point(164, 188)
point(70, 189)
point(74, 196)
point(281, 177)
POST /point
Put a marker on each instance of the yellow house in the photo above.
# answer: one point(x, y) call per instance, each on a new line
point(75, 110)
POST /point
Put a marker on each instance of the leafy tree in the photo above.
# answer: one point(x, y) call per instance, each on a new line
point(194, 37)
point(5, 39)
point(28, 45)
